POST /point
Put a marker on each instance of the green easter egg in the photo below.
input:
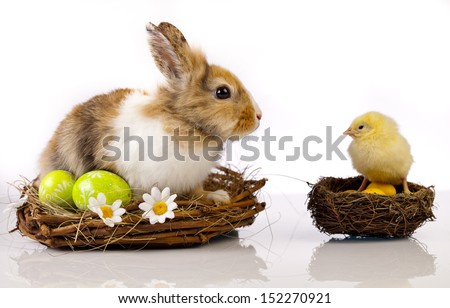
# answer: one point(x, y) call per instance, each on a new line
point(56, 189)
point(99, 181)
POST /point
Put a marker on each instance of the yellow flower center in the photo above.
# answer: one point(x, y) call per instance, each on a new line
point(160, 207)
point(106, 211)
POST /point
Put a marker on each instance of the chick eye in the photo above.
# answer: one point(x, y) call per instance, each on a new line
point(223, 92)
point(360, 127)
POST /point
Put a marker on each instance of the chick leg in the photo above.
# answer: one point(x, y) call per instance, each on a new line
point(363, 184)
point(405, 186)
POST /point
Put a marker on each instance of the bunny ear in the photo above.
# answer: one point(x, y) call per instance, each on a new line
point(175, 37)
point(169, 49)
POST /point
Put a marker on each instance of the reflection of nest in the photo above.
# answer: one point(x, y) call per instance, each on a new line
point(195, 222)
point(221, 263)
point(360, 260)
point(335, 211)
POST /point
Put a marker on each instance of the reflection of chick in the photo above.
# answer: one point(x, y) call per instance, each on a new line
point(378, 151)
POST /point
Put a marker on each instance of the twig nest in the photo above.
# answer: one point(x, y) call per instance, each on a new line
point(194, 221)
point(336, 209)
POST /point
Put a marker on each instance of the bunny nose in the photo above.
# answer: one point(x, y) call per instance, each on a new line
point(259, 116)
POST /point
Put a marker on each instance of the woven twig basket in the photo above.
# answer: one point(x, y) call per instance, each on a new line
point(195, 222)
point(335, 211)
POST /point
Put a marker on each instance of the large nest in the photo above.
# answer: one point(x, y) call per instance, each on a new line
point(335, 211)
point(195, 222)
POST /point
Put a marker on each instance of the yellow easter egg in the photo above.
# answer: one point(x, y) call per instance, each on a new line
point(387, 189)
point(350, 191)
point(374, 191)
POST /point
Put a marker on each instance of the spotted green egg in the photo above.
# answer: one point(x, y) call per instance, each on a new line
point(99, 181)
point(56, 189)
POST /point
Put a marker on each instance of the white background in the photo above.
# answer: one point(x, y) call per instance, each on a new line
point(309, 64)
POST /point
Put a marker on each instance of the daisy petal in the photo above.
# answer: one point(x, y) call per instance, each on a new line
point(156, 194)
point(148, 198)
point(165, 194)
point(145, 206)
point(101, 198)
point(153, 219)
point(116, 204)
point(172, 206)
point(108, 222)
point(170, 215)
point(171, 198)
point(16, 204)
point(92, 202)
point(119, 212)
point(149, 214)
point(116, 219)
point(97, 211)
point(162, 219)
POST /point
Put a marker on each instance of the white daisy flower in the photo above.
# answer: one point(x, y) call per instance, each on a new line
point(110, 214)
point(158, 205)
point(14, 205)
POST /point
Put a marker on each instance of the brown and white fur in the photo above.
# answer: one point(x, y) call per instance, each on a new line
point(188, 101)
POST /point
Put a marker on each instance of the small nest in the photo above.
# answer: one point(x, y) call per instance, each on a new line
point(195, 222)
point(335, 211)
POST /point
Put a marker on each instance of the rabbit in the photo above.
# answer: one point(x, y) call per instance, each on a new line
point(203, 101)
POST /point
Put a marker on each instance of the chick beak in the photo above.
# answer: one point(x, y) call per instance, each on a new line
point(350, 132)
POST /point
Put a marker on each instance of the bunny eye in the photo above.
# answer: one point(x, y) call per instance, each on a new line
point(223, 92)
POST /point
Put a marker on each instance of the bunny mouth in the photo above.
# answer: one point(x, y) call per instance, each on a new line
point(258, 123)
point(208, 131)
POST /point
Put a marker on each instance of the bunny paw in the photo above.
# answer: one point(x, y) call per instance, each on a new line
point(219, 196)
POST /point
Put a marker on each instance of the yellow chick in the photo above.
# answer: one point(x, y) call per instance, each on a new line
point(378, 151)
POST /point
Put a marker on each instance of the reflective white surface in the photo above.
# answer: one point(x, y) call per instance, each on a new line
point(281, 249)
